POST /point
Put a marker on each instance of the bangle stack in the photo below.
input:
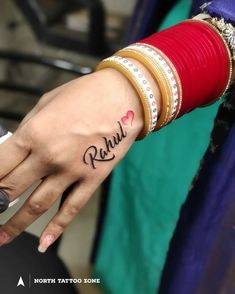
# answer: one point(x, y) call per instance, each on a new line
point(142, 87)
point(191, 64)
point(165, 75)
point(212, 24)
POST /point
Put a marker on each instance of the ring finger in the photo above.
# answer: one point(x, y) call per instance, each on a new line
point(39, 202)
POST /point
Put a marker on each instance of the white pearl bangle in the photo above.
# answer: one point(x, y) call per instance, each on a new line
point(143, 85)
point(169, 72)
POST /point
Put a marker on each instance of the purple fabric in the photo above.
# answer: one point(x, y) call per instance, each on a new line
point(145, 10)
point(202, 253)
point(201, 257)
point(147, 17)
point(224, 8)
point(136, 21)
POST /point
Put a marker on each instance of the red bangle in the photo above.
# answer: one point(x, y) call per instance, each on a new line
point(201, 58)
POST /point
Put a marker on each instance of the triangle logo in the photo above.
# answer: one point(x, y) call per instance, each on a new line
point(20, 282)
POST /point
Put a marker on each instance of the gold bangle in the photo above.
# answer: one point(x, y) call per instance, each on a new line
point(159, 76)
point(112, 63)
point(169, 71)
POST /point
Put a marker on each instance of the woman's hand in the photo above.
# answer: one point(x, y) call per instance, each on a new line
point(75, 135)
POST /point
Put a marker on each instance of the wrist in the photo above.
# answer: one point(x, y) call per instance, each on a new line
point(122, 97)
point(124, 93)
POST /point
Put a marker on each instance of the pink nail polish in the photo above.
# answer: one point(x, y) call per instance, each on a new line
point(46, 242)
point(4, 237)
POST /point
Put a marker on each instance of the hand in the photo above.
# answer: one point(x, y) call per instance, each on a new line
point(74, 136)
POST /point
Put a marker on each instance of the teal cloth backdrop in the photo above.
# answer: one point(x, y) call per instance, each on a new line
point(147, 191)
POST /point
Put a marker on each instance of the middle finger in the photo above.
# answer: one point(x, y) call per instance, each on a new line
point(39, 202)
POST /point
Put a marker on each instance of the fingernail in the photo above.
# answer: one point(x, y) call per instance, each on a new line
point(4, 200)
point(46, 242)
point(13, 202)
point(4, 237)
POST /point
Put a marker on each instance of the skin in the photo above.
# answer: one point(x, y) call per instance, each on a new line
point(52, 140)
point(51, 144)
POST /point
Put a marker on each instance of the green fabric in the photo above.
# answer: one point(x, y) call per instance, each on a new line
point(147, 191)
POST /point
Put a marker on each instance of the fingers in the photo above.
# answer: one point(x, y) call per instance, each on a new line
point(22, 177)
point(4, 201)
point(74, 202)
point(38, 203)
point(18, 151)
point(12, 152)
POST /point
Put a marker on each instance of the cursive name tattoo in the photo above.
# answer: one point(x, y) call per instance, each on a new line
point(95, 154)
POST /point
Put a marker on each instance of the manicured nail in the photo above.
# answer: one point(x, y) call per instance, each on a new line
point(46, 242)
point(4, 237)
point(4, 200)
point(13, 202)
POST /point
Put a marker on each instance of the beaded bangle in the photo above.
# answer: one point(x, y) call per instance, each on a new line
point(165, 74)
point(159, 76)
point(142, 87)
point(174, 80)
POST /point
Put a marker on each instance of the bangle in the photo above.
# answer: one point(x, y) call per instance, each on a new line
point(201, 59)
point(159, 76)
point(209, 23)
point(142, 87)
point(174, 81)
point(165, 74)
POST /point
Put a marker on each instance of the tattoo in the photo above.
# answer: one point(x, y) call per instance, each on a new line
point(95, 154)
point(128, 118)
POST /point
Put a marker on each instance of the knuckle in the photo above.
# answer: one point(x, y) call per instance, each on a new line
point(9, 185)
point(49, 157)
point(30, 132)
point(52, 156)
point(43, 98)
point(12, 230)
point(59, 225)
point(36, 207)
point(72, 210)
point(21, 141)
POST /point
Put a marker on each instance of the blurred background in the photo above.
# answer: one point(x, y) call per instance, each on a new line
point(43, 44)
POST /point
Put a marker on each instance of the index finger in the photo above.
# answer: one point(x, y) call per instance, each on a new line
point(12, 152)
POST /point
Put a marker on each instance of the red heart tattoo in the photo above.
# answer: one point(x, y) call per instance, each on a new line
point(128, 118)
